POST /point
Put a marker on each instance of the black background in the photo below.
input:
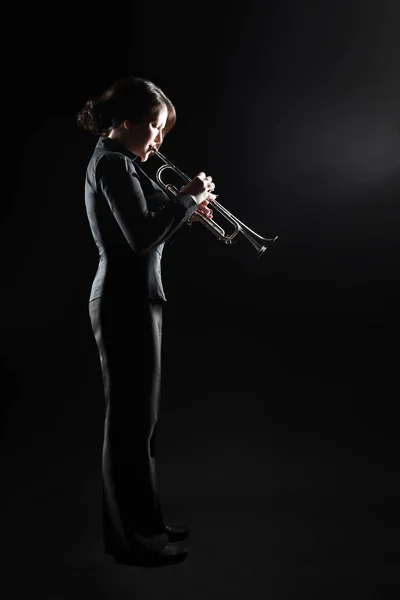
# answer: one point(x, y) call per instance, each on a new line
point(285, 367)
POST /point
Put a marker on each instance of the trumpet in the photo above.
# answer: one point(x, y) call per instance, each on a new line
point(259, 243)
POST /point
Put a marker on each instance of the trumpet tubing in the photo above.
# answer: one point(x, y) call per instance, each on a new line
point(258, 242)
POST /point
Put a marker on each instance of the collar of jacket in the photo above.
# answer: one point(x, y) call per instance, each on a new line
point(110, 144)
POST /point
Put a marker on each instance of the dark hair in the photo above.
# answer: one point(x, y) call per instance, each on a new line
point(128, 98)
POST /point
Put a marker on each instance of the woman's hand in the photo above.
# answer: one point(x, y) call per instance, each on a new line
point(200, 188)
point(204, 208)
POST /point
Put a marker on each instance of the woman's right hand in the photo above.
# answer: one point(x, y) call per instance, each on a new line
point(200, 187)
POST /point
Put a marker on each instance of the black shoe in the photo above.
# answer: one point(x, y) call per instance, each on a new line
point(177, 533)
point(170, 554)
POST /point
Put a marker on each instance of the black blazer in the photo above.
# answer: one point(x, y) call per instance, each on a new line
point(130, 217)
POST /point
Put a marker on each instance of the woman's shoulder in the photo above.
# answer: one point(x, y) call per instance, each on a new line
point(112, 160)
point(108, 165)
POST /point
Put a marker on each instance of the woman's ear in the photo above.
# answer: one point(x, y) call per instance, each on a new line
point(126, 124)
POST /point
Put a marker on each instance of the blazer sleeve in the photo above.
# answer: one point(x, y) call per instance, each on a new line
point(143, 229)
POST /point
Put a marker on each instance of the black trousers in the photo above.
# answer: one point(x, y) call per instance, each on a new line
point(128, 335)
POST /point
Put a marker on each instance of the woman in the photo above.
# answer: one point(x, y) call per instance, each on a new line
point(131, 218)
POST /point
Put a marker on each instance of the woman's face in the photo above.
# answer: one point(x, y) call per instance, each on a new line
point(142, 136)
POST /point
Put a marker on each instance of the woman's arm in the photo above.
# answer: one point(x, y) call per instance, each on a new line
point(143, 229)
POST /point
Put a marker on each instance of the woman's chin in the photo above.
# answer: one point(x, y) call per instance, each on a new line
point(145, 156)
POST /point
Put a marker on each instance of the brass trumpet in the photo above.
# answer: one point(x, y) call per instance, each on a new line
point(259, 243)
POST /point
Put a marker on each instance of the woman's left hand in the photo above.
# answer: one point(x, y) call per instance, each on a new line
point(204, 208)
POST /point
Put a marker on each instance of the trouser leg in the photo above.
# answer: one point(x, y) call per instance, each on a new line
point(129, 343)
